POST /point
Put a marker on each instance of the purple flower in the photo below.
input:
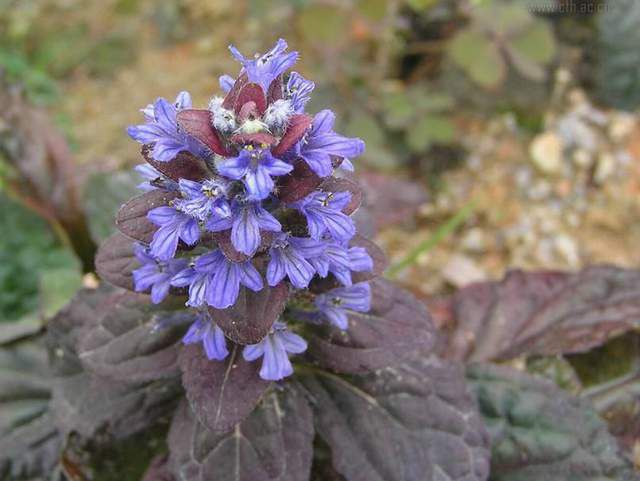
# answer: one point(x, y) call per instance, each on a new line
point(324, 213)
point(161, 129)
point(298, 91)
point(265, 68)
point(174, 225)
point(203, 199)
point(336, 303)
point(246, 221)
point(153, 274)
point(275, 348)
point(226, 83)
point(197, 281)
point(255, 167)
point(322, 142)
point(206, 331)
point(223, 287)
point(289, 258)
point(341, 261)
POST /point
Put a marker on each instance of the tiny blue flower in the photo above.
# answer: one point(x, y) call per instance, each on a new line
point(174, 226)
point(289, 258)
point(255, 167)
point(154, 274)
point(226, 82)
point(246, 221)
point(206, 331)
point(223, 287)
point(298, 91)
point(161, 129)
point(197, 281)
point(336, 303)
point(265, 68)
point(201, 200)
point(322, 142)
point(323, 212)
point(275, 349)
point(149, 174)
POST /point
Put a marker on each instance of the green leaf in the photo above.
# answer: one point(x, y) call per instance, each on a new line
point(429, 129)
point(539, 432)
point(618, 55)
point(503, 18)
point(478, 56)
point(361, 124)
point(323, 24)
point(532, 50)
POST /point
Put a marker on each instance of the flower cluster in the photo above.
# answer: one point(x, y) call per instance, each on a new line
point(261, 209)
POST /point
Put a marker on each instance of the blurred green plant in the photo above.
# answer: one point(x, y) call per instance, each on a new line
point(37, 274)
point(499, 32)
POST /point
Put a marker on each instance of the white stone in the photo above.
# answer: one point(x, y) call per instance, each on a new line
point(546, 152)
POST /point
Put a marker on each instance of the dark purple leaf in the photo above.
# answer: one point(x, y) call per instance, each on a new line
point(115, 261)
point(393, 199)
point(298, 184)
point(412, 422)
point(230, 100)
point(184, 166)
point(298, 126)
point(397, 327)
point(380, 261)
point(158, 469)
point(134, 340)
point(221, 393)
point(544, 313)
point(88, 404)
point(253, 314)
point(29, 442)
point(275, 90)
point(274, 443)
point(251, 92)
point(333, 184)
point(197, 123)
point(132, 220)
point(539, 432)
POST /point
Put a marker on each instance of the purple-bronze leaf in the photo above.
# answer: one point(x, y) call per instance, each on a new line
point(257, 139)
point(333, 184)
point(134, 341)
point(251, 92)
point(115, 261)
point(184, 166)
point(545, 313)
point(275, 90)
point(298, 126)
point(223, 393)
point(132, 220)
point(380, 261)
point(197, 123)
point(540, 432)
point(412, 422)
point(274, 443)
point(298, 184)
point(230, 100)
point(398, 326)
point(249, 320)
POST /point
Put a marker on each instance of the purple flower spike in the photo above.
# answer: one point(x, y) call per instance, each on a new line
point(161, 129)
point(275, 349)
point(322, 142)
point(201, 200)
point(298, 91)
point(289, 258)
point(206, 331)
point(324, 213)
point(224, 286)
point(264, 69)
point(255, 167)
point(336, 303)
point(174, 226)
point(154, 274)
point(246, 222)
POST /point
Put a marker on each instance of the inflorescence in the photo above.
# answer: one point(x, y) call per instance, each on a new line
point(229, 227)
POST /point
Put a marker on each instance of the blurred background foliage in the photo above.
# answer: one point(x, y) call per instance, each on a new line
point(500, 133)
